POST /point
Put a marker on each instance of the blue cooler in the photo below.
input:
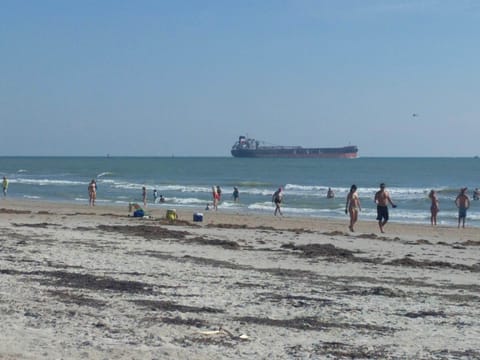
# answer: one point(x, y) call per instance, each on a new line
point(198, 217)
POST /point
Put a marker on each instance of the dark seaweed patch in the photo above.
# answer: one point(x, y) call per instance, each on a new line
point(226, 244)
point(78, 299)
point(296, 300)
point(155, 305)
point(146, 231)
point(422, 314)
point(381, 291)
point(12, 211)
point(312, 323)
point(457, 354)
point(432, 264)
point(324, 250)
point(92, 282)
point(338, 350)
point(43, 225)
point(177, 320)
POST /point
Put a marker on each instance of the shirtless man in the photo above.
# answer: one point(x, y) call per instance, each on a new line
point(382, 199)
point(463, 203)
point(352, 206)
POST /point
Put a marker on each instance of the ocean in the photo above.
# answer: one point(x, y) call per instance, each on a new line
point(186, 183)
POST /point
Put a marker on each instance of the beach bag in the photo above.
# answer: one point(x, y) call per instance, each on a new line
point(138, 213)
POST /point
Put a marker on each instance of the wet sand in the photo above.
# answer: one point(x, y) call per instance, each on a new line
point(94, 283)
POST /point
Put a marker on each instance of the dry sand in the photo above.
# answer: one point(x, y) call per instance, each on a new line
point(93, 283)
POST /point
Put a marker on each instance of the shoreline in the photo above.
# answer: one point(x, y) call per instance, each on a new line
point(158, 211)
point(92, 282)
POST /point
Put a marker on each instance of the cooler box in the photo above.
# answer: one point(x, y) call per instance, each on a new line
point(172, 214)
point(138, 213)
point(198, 217)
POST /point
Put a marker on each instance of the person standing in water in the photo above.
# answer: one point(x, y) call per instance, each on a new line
point(382, 199)
point(434, 209)
point(215, 197)
point(476, 194)
point(92, 192)
point(5, 186)
point(144, 196)
point(352, 206)
point(330, 194)
point(463, 203)
point(277, 198)
point(235, 194)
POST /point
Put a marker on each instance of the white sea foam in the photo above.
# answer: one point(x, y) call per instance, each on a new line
point(104, 174)
point(48, 182)
point(185, 201)
point(57, 180)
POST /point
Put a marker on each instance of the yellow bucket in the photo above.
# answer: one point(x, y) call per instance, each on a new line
point(172, 214)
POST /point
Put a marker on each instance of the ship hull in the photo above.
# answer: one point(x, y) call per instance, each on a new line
point(349, 152)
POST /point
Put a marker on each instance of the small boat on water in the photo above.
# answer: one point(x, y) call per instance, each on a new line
point(251, 148)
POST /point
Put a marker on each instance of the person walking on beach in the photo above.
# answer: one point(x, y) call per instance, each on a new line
point(144, 196)
point(463, 203)
point(92, 192)
point(235, 194)
point(434, 209)
point(352, 206)
point(277, 198)
point(382, 199)
point(216, 197)
point(5, 186)
point(155, 196)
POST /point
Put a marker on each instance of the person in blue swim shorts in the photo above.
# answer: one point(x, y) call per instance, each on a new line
point(463, 203)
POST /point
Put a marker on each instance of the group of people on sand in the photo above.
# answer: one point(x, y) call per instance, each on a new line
point(156, 198)
point(462, 202)
point(382, 199)
point(352, 205)
point(217, 196)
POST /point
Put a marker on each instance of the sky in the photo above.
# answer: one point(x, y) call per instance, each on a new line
point(186, 78)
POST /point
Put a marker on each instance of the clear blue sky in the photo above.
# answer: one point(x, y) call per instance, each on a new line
point(91, 77)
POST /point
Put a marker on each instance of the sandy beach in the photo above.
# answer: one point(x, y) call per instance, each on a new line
point(94, 283)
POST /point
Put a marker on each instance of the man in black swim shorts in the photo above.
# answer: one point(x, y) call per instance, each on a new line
point(382, 213)
point(382, 199)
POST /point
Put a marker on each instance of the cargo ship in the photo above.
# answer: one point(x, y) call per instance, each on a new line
point(251, 148)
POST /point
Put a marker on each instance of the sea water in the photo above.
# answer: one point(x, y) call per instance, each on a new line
point(186, 183)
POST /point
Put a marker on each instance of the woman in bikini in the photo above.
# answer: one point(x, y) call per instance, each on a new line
point(352, 206)
point(434, 209)
point(92, 192)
